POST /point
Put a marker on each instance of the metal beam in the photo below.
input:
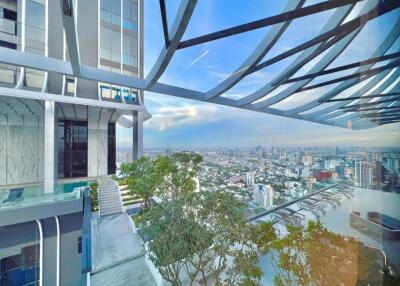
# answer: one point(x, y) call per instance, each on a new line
point(71, 34)
point(276, 19)
point(39, 62)
point(19, 93)
point(163, 10)
point(362, 97)
point(358, 106)
point(179, 26)
point(345, 67)
point(383, 114)
point(374, 108)
point(357, 75)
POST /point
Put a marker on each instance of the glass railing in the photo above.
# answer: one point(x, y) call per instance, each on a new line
point(26, 196)
point(291, 196)
point(369, 216)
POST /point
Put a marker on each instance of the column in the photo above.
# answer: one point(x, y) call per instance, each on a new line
point(138, 135)
point(50, 125)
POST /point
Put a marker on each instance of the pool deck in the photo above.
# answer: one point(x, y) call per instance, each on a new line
point(117, 253)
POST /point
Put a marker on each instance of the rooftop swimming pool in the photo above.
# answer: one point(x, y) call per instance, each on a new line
point(26, 196)
point(335, 216)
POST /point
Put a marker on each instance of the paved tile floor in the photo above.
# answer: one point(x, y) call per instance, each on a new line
point(117, 253)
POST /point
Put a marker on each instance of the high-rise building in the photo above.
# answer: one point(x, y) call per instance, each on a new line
point(250, 179)
point(307, 160)
point(392, 164)
point(379, 173)
point(58, 131)
point(331, 164)
point(363, 174)
point(263, 195)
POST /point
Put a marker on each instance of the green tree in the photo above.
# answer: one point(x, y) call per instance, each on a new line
point(316, 256)
point(201, 236)
point(143, 178)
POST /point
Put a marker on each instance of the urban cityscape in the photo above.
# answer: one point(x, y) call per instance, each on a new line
point(270, 176)
point(199, 143)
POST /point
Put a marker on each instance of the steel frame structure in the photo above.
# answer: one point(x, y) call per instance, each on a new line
point(335, 36)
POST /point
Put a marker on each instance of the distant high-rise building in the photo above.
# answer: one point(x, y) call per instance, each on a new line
point(305, 172)
point(263, 195)
point(379, 173)
point(250, 179)
point(363, 174)
point(307, 160)
point(331, 164)
point(392, 164)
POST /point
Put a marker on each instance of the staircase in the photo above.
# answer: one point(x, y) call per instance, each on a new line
point(109, 197)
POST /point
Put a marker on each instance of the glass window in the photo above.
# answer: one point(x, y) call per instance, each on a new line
point(134, 12)
point(127, 24)
point(127, 44)
point(134, 44)
point(35, 14)
point(74, 149)
point(105, 15)
point(105, 54)
point(116, 7)
point(116, 19)
point(116, 41)
point(127, 10)
point(126, 59)
point(106, 4)
point(105, 37)
point(133, 27)
point(116, 56)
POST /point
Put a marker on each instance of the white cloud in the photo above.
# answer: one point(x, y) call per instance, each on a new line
point(166, 118)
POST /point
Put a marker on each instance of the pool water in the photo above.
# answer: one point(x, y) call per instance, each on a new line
point(35, 195)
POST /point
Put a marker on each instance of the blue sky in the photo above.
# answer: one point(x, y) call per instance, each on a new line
point(179, 122)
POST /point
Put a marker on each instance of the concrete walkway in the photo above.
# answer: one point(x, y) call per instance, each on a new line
point(117, 253)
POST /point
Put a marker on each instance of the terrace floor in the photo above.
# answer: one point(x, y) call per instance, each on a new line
point(117, 253)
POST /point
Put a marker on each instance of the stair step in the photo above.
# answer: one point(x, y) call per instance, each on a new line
point(109, 213)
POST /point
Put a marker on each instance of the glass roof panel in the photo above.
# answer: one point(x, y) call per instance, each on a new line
point(210, 16)
point(202, 67)
point(303, 97)
point(367, 41)
point(257, 80)
point(299, 31)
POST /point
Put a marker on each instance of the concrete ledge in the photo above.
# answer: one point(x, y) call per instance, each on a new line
point(41, 211)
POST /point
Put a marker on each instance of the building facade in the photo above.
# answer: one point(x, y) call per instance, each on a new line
point(363, 174)
point(263, 195)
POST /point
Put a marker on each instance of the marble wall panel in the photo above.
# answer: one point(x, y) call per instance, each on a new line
point(102, 156)
point(3, 155)
point(40, 141)
point(22, 154)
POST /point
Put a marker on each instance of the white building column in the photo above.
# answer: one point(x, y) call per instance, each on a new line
point(50, 125)
point(138, 135)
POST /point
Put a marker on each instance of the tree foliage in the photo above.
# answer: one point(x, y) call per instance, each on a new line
point(316, 256)
point(201, 236)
